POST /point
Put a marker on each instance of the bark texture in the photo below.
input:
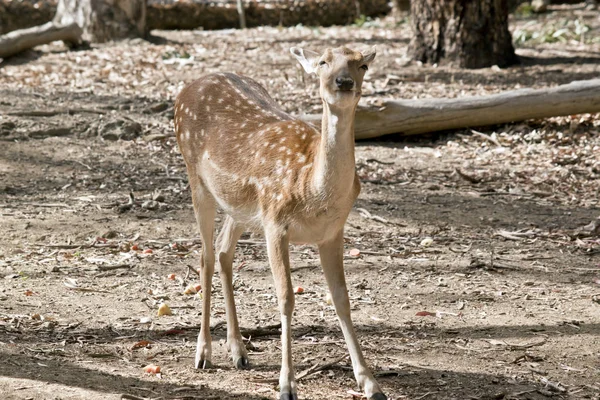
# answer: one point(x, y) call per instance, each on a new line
point(104, 20)
point(464, 33)
point(412, 117)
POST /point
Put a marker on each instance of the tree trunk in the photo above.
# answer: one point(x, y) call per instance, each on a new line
point(104, 20)
point(400, 9)
point(464, 33)
point(78, 20)
point(412, 117)
point(401, 5)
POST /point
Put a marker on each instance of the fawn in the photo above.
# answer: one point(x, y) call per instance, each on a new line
point(269, 171)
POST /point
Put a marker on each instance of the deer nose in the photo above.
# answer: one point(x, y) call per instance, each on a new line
point(344, 83)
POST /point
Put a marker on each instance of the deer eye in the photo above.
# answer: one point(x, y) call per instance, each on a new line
point(364, 67)
point(322, 63)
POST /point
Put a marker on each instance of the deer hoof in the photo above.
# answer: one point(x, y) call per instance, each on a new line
point(288, 396)
point(378, 396)
point(203, 364)
point(203, 358)
point(242, 363)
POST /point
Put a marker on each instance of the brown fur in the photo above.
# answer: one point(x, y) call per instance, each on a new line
point(261, 158)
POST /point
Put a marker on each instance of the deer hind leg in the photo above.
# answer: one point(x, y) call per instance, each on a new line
point(226, 242)
point(332, 257)
point(278, 250)
point(205, 211)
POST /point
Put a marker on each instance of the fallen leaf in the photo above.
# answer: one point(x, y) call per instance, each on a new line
point(141, 344)
point(298, 290)
point(427, 242)
point(164, 310)
point(355, 252)
point(152, 369)
point(171, 277)
point(28, 293)
point(191, 289)
point(148, 251)
point(425, 314)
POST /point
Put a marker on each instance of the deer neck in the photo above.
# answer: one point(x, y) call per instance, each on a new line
point(334, 161)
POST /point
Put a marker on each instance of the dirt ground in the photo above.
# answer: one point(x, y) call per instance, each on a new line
point(475, 278)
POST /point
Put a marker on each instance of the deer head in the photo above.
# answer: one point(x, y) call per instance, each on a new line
point(340, 71)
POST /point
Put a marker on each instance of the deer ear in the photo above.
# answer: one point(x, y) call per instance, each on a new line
point(369, 55)
point(306, 58)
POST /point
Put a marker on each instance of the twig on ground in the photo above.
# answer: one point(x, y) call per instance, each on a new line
point(85, 165)
point(306, 373)
point(425, 395)
point(557, 387)
point(132, 397)
point(319, 367)
point(192, 269)
point(113, 267)
point(517, 346)
point(51, 113)
point(268, 330)
point(366, 214)
point(485, 137)
point(47, 205)
point(379, 162)
point(515, 235)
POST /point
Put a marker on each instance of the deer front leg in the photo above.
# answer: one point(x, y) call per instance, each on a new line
point(226, 244)
point(332, 256)
point(278, 250)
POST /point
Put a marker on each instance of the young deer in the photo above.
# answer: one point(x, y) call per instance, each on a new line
point(272, 172)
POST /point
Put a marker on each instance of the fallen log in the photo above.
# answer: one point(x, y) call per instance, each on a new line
point(412, 117)
point(17, 41)
point(77, 21)
point(211, 14)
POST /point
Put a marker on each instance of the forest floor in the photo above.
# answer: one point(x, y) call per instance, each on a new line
point(476, 278)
